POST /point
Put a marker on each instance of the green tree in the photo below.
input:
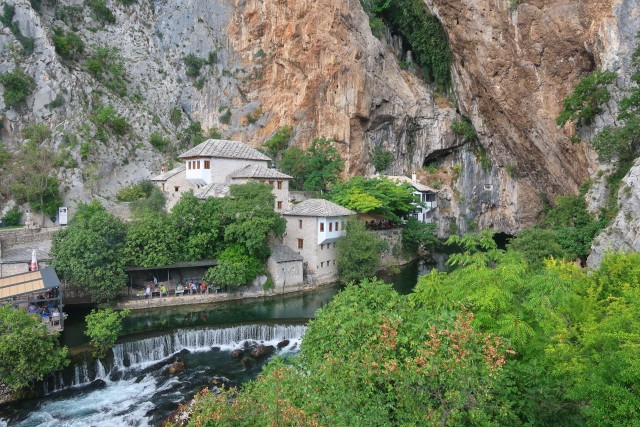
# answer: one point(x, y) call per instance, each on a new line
point(198, 227)
point(151, 241)
point(314, 169)
point(104, 327)
point(358, 252)
point(537, 244)
point(17, 87)
point(377, 195)
point(370, 359)
point(33, 179)
point(235, 268)
point(106, 65)
point(27, 351)
point(88, 253)
point(67, 44)
point(278, 141)
point(381, 158)
point(249, 218)
point(587, 98)
point(419, 235)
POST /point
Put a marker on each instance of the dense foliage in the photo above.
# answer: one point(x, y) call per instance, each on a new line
point(235, 267)
point(371, 359)
point(381, 158)
point(103, 327)
point(417, 235)
point(88, 252)
point(587, 98)
point(279, 141)
point(27, 351)
point(314, 169)
point(358, 252)
point(422, 32)
point(375, 195)
point(17, 87)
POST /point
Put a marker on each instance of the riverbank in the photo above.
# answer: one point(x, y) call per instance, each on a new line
point(141, 303)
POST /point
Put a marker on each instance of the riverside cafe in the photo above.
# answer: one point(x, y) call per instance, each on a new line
point(35, 292)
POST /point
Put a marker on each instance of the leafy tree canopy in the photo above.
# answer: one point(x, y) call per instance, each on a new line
point(103, 327)
point(88, 253)
point(27, 351)
point(587, 98)
point(235, 267)
point(358, 252)
point(314, 169)
point(417, 234)
point(377, 195)
point(151, 241)
point(370, 359)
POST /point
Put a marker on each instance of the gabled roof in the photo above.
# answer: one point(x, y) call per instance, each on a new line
point(318, 208)
point(224, 149)
point(281, 253)
point(166, 175)
point(254, 171)
point(417, 185)
point(214, 189)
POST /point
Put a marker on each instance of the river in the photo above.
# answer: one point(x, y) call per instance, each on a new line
point(132, 387)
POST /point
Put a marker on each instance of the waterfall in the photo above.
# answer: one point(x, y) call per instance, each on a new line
point(150, 350)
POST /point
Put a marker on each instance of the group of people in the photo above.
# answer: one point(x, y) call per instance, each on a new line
point(49, 313)
point(190, 288)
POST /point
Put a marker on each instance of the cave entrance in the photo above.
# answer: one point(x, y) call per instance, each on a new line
point(502, 239)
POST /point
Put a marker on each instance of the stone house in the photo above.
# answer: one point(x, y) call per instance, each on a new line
point(313, 227)
point(212, 166)
point(285, 266)
point(426, 194)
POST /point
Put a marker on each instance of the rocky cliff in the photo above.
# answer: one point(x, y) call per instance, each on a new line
point(317, 66)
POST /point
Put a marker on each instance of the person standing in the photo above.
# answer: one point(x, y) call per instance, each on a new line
point(147, 292)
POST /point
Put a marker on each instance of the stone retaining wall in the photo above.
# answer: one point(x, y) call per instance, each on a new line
point(394, 254)
point(18, 236)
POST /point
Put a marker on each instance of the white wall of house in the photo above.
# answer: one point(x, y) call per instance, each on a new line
point(426, 213)
point(285, 274)
point(198, 171)
point(222, 168)
point(329, 229)
point(174, 187)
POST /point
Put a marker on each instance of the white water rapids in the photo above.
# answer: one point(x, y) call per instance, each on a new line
point(130, 392)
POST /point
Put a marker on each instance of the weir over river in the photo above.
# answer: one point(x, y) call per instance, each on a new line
point(131, 387)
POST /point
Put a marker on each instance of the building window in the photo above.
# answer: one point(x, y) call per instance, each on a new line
point(279, 185)
point(271, 183)
point(322, 246)
point(198, 164)
point(279, 204)
point(176, 188)
point(299, 223)
point(300, 244)
point(336, 225)
point(189, 164)
point(330, 227)
point(207, 164)
point(322, 227)
point(322, 264)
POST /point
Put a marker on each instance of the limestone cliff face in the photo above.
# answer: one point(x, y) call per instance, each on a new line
point(512, 69)
point(324, 72)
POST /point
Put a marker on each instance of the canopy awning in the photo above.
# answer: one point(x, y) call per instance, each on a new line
point(184, 264)
point(26, 283)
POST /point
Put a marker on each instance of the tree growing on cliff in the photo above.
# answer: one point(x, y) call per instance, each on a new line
point(27, 351)
point(587, 99)
point(88, 254)
point(358, 252)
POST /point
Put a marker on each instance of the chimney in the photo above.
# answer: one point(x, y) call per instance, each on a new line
point(414, 177)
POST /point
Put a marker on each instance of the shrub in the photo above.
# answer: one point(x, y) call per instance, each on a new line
point(213, 58)
point(17, 87)
point(381, 158)
point(107, 66)
point(158, 142)
point(68, 45)
point(457, 170)
point(12, 217)
point(465, 129)
point(101, 12)
point(106, 117)
point(225, 118)
point(175, 116)
point(194, 64)
point(584, 104)
point(36, 132)
point(279, 140)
